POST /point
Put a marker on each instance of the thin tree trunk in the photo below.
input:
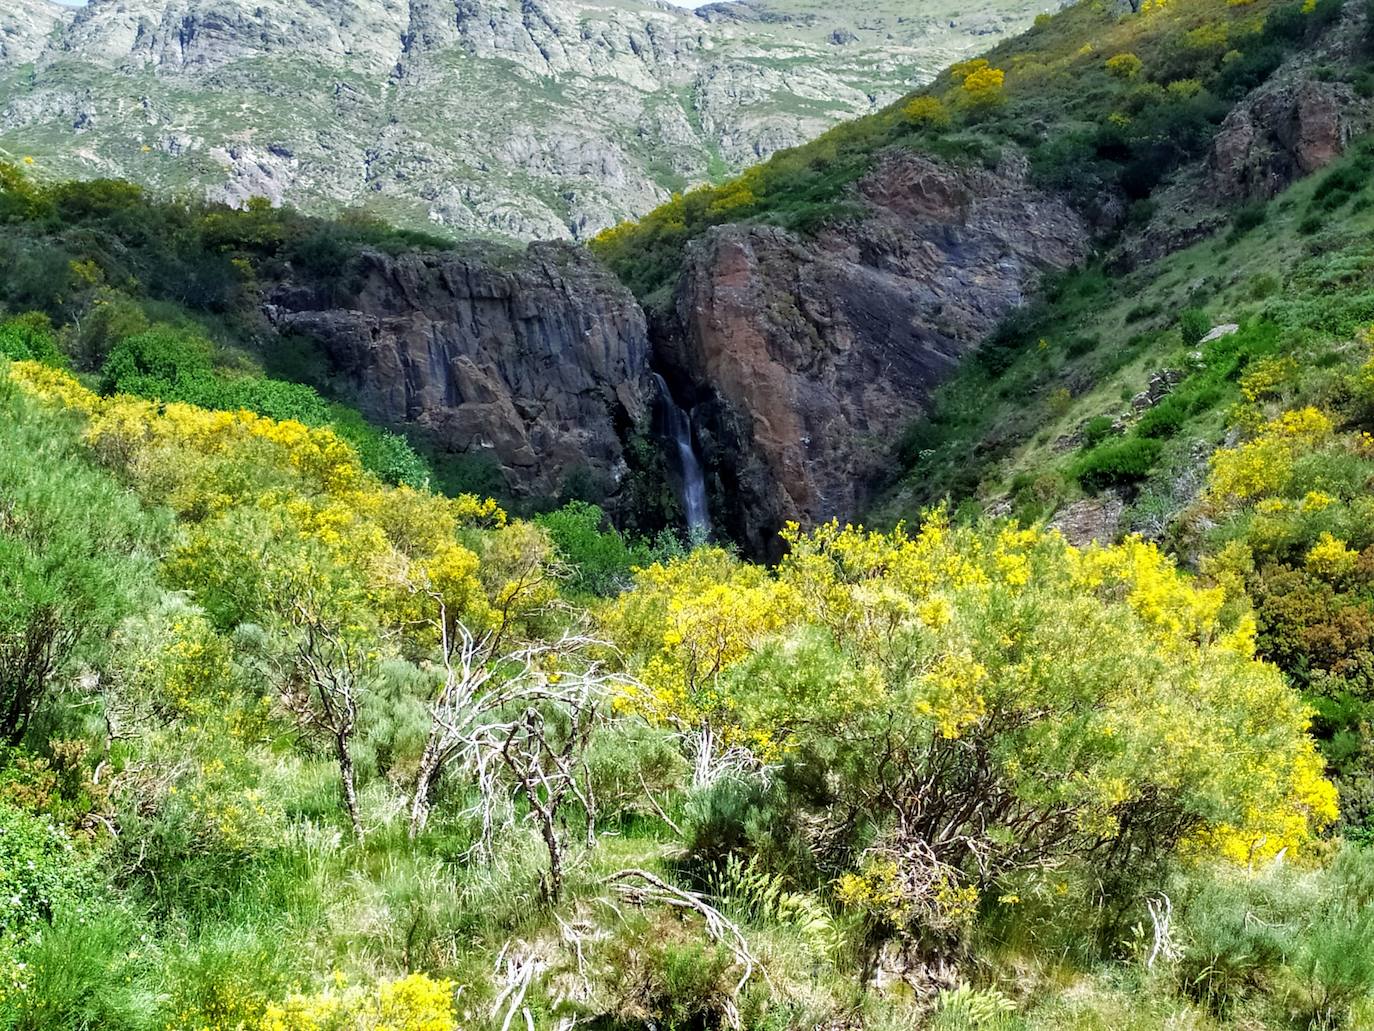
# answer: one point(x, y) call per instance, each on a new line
point(554, 886)
point(425, 780)
point(350, 791)
point(589, 803)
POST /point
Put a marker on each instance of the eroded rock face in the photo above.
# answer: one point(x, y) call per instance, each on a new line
point(537, 362)
point(1279, 136)
point(530, 119)
point(806, 360)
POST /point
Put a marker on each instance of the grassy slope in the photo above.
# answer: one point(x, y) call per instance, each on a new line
point(1105, 336)
point(1086, 130)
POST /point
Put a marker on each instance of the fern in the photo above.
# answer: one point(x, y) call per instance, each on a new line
point(746, 891)
point(968, 1007)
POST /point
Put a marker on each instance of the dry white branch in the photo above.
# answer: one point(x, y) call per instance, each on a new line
point(655, 890)
point(1161, 912)
point(515, 972)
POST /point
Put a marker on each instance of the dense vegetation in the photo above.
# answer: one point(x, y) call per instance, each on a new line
point(161, 298)
point(305, 750)
point(1060, 411)
point(294, 742)
point(1104, 106)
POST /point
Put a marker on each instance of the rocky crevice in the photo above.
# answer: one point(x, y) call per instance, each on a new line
point(536, 363)
point(807, 358)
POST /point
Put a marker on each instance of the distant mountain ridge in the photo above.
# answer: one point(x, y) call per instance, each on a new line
point(534, 119)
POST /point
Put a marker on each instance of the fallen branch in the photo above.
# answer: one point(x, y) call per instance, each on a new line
point(658, 808)
point(718, 927)
point(520, 972)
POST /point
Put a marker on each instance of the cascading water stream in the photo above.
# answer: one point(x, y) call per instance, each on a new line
point(677, 426)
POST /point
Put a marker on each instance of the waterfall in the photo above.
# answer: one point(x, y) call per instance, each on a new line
point(677, 426)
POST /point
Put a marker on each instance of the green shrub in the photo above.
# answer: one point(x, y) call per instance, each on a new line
point(30, 338)
point(1097, 429)
point(1193, 325)
point(74, 558)
point(635, 771)
point(1248, 218)
point(599, 557)
point(1116, 463)
point(41, 874)
point(1312, 224)
point(162, 363)
point(1264, 286)
point(734, 816)
point(1334, 967)
point(1226, 952)
point(1164, 419)
point(1338, 186)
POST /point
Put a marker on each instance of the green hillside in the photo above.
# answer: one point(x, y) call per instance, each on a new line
point(1095, 100)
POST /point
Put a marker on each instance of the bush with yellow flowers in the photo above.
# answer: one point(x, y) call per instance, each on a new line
point(415, 1002)
point(987, 698)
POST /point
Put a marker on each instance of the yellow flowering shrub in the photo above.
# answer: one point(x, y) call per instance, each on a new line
point(961, 70)
point(277, 509)
point(188, 673)
point(688, 623)
point(1124, 66)
point(983, 87)
point(1330, 557)
point(1212, 35)
point(1119, 696)
point(1263, 464)
point(1267, 378)
point(415, 1002)
point(926, 111)
point(949, 693)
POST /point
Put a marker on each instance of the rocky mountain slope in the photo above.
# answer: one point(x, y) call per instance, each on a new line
point(533, 366)
point(540, 119)
point(805, 358)
point(811, 354)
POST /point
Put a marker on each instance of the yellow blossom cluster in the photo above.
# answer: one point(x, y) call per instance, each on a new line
point(1138, 679)
point(415, 1002)
point(277, 511)
point(1330, 557)
point(1263, 464)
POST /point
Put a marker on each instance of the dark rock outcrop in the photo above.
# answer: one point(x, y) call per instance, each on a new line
point(537, 362)
point(807, 358)
point(1293, 125)
point(1278, 136)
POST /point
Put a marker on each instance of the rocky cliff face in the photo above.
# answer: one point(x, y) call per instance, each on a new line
point(535, 364)
point(26, 26)
point(801, 360)
point(1293, 125)
point(1280, 135)
point(535, 119)
point(804, 360)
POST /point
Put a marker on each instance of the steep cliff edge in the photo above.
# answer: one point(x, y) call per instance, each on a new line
point(805, 358)
point(535, 364)
point(806, 311)
point(1294, 124)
